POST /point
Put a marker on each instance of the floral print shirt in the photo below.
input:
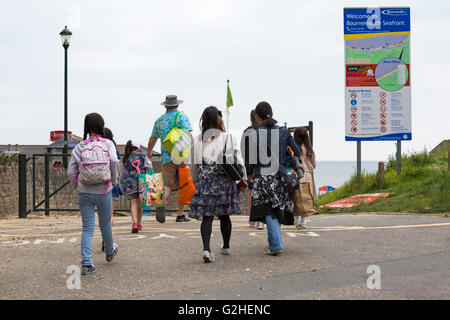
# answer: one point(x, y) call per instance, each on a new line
point(163, 126)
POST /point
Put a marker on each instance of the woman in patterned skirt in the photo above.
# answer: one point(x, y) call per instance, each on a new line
point(216, 195)
point(272, 203)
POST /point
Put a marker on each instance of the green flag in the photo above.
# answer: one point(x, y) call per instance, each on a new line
point(229, 97)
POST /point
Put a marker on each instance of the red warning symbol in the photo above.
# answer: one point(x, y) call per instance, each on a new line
point(383, 129)
point(383, 101)
point(382, 94)
point(383, 108)
point(383, 122)
point(383, 115)
point(354, 109)
point(353, 115)
point(353, 95)
point(354, 130)
point(354, 123)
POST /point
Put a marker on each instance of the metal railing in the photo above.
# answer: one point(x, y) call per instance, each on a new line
point(36, 207)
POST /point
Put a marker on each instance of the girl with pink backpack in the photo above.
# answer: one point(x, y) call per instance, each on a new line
point(93, 169)
point(134, 161)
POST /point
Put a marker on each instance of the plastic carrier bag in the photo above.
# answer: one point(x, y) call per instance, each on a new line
point(151, 188)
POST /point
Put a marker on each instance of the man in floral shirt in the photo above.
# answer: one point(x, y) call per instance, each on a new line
point(161, 128)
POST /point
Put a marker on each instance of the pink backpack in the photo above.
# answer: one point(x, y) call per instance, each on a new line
point(95, 162)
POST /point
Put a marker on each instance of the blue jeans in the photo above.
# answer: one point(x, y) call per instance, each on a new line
point(274, 233)
point(87, 203)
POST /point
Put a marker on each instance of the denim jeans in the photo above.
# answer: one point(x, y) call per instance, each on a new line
point(274, 233)
point(87, 203)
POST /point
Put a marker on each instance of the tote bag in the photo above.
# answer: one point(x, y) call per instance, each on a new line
point(179, 139)
point(304, 202)
point(187, 187)
point(151, 188)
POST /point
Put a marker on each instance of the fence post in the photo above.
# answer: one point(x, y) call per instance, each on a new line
point(47, 184)
point(380, 174)
point(22, 185)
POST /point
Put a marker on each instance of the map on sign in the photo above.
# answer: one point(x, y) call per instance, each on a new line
point(377, 74)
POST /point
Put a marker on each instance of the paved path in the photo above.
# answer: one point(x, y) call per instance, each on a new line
point(329, 260)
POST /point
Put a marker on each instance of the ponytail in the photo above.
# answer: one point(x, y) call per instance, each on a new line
point(264, 111)
point(129, 148)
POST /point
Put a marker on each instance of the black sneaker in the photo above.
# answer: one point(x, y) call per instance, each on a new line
point(160, 215)
point(85, 270)
point(182, 218)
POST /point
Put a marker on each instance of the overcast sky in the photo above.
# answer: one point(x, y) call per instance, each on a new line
point(125, 56)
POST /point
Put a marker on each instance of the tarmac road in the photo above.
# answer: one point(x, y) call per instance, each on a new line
point(328, 260)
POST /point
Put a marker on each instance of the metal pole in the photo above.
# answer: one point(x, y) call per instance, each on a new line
point(47, 184)
point(22, 185)
point(358, 161)
point(65, 161)
point(398, 156)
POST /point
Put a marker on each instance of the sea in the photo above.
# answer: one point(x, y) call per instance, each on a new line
point(336, 173)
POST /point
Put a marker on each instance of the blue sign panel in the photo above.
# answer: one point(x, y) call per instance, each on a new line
point(376, 20)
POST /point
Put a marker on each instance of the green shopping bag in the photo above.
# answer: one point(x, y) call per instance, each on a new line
point(178, 139)
point(151, 188)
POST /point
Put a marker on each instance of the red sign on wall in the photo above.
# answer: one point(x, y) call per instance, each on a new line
point(56, 135)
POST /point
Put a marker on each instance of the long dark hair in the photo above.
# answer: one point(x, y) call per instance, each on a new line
point(253, 119)
point(129, 148)
point(210, 119)
point(93, 123)
point(264, 111)
point(107, 133)
point(301, 138)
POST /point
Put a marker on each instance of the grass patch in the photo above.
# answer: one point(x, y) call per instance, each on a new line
point(423, 186)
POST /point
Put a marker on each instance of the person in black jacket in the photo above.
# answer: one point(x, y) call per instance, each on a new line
point(245, 151)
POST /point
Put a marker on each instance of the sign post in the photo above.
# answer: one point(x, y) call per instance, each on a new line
point(377, 76)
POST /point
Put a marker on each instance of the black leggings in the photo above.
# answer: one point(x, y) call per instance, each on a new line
point(225, 229)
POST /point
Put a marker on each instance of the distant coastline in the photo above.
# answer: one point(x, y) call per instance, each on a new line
point(336, 173)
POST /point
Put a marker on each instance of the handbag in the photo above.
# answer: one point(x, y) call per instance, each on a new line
point(229, 164)
point(304, 201)
point(187, 187)
point(179, 139)
point(150, 187)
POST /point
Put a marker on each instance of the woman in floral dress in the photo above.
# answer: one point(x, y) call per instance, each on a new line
point(216, 195)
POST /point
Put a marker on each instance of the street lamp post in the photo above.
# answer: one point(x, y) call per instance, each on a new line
point(65, 37)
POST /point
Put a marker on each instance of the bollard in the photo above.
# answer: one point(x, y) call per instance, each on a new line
point(380, 174)
point(22, 185)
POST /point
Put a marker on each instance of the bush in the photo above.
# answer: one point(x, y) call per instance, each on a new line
point(6, 159)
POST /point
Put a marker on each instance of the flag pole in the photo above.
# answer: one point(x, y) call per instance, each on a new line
point(228, 108)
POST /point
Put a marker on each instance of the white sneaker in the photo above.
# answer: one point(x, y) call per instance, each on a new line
point(260, 225)
point(208, 256)
point(225, 251)
point(303, 222)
